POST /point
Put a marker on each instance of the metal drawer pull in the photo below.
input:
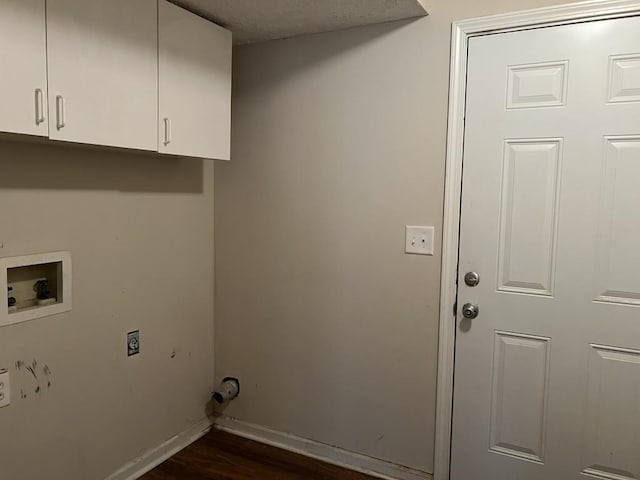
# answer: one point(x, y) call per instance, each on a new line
point(39, 106)
point(167, 131)
point(60, 112)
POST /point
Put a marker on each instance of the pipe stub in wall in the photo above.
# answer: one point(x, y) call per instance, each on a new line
point(227, 391)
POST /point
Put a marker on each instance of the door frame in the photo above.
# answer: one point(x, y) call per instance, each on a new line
point(461, 32)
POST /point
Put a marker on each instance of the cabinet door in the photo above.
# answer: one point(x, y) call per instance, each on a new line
point(23, 67)
point(195, 85)
point(103, 72)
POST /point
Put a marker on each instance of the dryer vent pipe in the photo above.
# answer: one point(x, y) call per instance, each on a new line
point(228, 390)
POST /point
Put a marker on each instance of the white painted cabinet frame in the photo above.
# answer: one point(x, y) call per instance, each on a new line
point(461, 32)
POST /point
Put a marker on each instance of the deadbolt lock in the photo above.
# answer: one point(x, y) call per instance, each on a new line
point(471, 279)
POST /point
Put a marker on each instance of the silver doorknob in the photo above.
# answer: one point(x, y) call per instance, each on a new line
point(472, 279)
point(470, 310)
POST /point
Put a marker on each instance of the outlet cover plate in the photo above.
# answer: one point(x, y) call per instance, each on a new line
point(133, 343)
point(419, 240)
point(5, 389)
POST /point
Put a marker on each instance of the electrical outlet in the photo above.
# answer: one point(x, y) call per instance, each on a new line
point(419, 240)
point(5, 389)
point(133, 343)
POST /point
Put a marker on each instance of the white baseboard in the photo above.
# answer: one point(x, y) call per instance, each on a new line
point(154, 457)
point(320, 451)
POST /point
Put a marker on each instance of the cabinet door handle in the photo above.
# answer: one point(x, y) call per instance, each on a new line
point(60, 112)
point(167, 131)
point(39, 106)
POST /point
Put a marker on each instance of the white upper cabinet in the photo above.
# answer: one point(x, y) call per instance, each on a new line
point(23, 67)
point(137, 74)
point(194, 85)
point(103, 75)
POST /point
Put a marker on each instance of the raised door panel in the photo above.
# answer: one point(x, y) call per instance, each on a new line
point(23, 67)
point(618, 258)
point(195, 85)
point(102, 64)
point(519, 395)
point(537, 85)
point(611, 440)
point(624, 78)
point(529, 214)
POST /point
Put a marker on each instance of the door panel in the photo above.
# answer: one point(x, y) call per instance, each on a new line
point(23, 71)
point(528, 216)
point(103, 72)
point(518, 415)
point(537, 85)
point(547, 379)
point(618, 254)
point(624, 79)
point(611, 439)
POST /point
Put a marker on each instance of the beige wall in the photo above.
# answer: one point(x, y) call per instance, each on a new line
point(338, 142)
point(140, 230)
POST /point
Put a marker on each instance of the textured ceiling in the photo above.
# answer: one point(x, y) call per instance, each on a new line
point(261, 20)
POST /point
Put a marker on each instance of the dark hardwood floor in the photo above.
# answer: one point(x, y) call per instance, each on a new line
point(222, 456)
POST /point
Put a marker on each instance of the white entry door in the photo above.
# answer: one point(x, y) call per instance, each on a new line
point(547, 376)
